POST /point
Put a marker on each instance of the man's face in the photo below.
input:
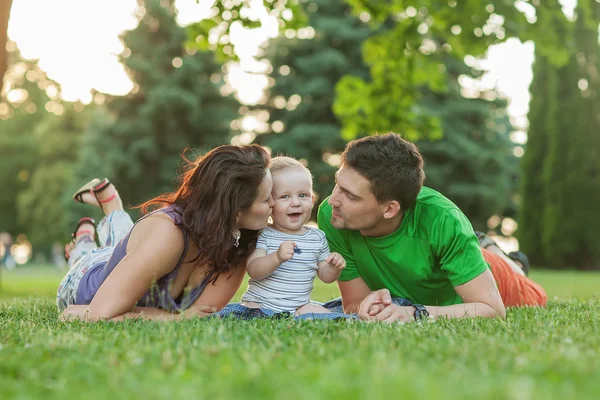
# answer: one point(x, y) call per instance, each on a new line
point(354, 205)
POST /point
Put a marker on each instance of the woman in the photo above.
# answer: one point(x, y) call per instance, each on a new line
point(183, 260)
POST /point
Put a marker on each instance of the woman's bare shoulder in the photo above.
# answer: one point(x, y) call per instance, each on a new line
point(157, 230)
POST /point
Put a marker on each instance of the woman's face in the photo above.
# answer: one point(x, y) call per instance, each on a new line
point(257, 216)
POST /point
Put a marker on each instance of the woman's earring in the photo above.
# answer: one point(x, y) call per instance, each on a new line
point(236, 237)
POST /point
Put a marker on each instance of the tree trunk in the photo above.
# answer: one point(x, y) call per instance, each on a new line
point(5, 6)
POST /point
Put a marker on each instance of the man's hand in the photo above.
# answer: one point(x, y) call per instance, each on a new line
point(374, 303)
point(286, 251)
point(394, 313)
point(336, 261)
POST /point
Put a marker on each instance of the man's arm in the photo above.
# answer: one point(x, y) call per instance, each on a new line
point(481, 299)
point(480, 295)
point(353, 293)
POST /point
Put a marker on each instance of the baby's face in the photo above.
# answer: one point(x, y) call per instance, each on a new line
point(292, 193)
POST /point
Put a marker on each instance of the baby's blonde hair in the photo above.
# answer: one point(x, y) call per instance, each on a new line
point(283, 163)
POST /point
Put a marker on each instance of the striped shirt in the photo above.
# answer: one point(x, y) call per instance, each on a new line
point(290, 285)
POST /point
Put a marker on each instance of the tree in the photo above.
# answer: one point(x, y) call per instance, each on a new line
point(41, 207)
point(213, 33)
point(176, 102)
point(473, 164)
point(305, 71)
point(571, 175)
point(410, 55)
point(27, 95)
point(404, 58)
point(543, 108)
point(5, 6)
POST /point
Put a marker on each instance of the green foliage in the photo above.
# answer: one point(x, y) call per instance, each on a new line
point(214, 33)
point(473, 164)
point(571, 175)
point(305, 73)
point(561, 181)
point(176, 103)
point(42, 206)
point(22, 107)
point(543, 111)
point(411, 54)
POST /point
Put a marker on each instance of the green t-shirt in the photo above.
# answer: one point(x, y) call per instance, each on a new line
point(433, 250)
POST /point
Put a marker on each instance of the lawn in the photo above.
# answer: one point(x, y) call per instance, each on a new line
point(549, 353)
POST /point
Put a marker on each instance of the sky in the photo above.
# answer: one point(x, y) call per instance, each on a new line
point(76, 42)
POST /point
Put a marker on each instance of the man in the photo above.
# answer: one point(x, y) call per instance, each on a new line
point(403, 240)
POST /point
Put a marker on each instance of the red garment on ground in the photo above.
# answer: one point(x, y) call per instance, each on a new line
point(516, 290)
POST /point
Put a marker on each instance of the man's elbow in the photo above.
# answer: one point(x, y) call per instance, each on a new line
point(496, 311)
point(501, 312)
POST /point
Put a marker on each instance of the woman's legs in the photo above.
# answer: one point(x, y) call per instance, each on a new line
point(84, 254)
point(116, 223)
point(82, 244)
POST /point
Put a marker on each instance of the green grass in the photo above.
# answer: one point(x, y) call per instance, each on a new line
point(549, 353)
point(30, 281)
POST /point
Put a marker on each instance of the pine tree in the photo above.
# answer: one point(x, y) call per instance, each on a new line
point(306, 71)
point(571, 170)
point(473, 164)
point(176, 103)
point(22, 106)
point(42, 206)
point(542, 116)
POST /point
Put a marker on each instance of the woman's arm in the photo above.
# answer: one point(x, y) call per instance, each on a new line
point(154, 247)
point(82, 312)
point(218, 294)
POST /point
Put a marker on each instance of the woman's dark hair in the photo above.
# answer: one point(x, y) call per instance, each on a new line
point(212, 189)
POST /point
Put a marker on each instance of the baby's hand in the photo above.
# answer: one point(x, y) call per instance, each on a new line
point(286, 251)
point(336, 261)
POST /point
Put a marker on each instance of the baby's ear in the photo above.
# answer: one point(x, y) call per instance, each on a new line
point(315, 196)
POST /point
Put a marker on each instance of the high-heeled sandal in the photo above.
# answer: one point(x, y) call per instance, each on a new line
point(87, 188)
point(94, 187)
point(75, 234)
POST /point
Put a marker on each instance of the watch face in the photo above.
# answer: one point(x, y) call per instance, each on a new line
point(421, 312)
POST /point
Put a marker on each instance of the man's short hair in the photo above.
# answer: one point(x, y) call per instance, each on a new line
point(393, 166)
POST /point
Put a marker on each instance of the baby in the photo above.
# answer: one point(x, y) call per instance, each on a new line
point(288, 254)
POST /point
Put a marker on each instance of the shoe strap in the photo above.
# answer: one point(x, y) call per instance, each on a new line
point(108, 199)
point(84, 232)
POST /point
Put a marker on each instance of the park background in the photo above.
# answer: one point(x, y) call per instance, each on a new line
point(502, 98)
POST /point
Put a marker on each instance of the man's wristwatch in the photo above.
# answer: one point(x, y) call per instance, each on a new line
point(421, 312)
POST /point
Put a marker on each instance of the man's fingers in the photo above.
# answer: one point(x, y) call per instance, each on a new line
point(375, 309)
point(365, 306)
point(386, 297)
point(385, 314)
